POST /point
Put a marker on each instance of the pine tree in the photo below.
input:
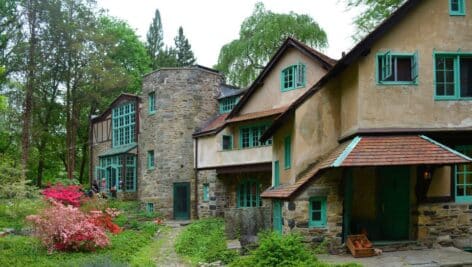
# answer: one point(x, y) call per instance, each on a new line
point(155, 40)
point(183, 49)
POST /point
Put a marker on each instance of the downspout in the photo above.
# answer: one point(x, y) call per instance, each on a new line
point(91, 152)
point(196, 178)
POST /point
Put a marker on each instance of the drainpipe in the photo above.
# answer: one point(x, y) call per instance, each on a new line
point(196, 178)
point(91, 171)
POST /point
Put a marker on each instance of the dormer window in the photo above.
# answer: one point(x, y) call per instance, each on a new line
point(457, 7)
point(293, 77)
point(227, 104)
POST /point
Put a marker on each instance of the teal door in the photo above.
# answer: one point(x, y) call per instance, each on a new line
point(181, 201)
point(394, 202)
point(277, 217)
point(111, 174)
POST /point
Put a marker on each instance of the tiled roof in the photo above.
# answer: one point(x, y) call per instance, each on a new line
point(257, 115)
point(376, 151)
point(118, 150)
point(212, 125)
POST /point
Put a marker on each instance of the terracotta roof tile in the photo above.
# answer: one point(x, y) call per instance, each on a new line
point(257, 115)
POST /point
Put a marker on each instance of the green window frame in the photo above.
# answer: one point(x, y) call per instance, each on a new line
point(276, 173)
point(396, 68)
point(317, 212)
point(227, 142)
point(451, 75)
point(150, 159)
point(293, 77)
point(463, 177)
point(111, 169)
point(249, 136)
point(457, 7)
point(152, 102)
point(123, 124)
point(149, 207)
point(228, 103)
point(206, 193)
point(249, 193)
point(288, 152)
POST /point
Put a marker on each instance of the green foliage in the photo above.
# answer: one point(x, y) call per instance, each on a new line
point(11, 186)
point(155, 40)
point(204, 241)
point(183, 50)
point(375, 11)
point(259, 37)
point(14, 211)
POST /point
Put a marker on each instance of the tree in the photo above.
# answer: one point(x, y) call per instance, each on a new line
point(183, 50)
point(9, 33)
point(259, 37)
point(375, 12)
point(155, 40)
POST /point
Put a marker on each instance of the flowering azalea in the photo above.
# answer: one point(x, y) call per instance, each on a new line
point(69, 195)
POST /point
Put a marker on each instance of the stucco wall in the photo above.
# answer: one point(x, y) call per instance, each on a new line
point(279, 152)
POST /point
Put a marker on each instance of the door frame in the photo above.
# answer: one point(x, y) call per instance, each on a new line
point(174, 197)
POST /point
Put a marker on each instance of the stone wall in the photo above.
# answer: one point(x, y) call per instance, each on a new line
point(445, 224)
point(185, 99)
point(217, 192)
point(244, 223)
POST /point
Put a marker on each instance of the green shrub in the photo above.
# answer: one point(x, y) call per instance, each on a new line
point(204, 241)
point(13, 211)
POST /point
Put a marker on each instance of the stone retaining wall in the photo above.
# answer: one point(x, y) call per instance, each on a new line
point(246, 222)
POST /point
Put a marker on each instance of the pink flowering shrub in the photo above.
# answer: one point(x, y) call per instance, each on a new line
point(67, 195)
point(67, 228)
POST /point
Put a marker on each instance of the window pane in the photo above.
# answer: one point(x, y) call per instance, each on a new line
point(454, 5)
point(316, 216)
point(245, 137)
point(403, 69)
point(316, 205)
point(468, 190)
point(466, 77)
point(460, 190)
point(460, 178)
point(227, 142)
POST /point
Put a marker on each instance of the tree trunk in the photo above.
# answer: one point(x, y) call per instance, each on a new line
point(41, 148)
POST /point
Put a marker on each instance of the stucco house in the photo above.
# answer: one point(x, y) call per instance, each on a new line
point(381, 144)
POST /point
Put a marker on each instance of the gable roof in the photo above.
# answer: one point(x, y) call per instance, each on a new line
point(361, 49)
point(117, 100)
point(324, 60)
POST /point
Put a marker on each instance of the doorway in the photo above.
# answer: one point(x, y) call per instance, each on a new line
point(181, 201)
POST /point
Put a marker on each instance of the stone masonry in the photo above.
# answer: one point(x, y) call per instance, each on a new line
point(185, 99)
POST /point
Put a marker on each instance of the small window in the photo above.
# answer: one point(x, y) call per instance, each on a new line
point(453, 78)
point(150, 207)
point(152, 102)
point(227, 142)
point(288, 152)
point(227, 104)
point(457, 7)
point(206, 193)
point(293, 77)
point(248, 195)
point(150, 159)
point(463, 177)
point(317, 212)
point(276, 173)
point(397, 68)
point(250, 136)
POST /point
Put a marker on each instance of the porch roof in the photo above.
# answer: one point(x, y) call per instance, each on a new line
point(118, 150)
point(368, 151)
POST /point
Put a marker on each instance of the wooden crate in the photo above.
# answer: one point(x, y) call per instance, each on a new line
point(359, 252)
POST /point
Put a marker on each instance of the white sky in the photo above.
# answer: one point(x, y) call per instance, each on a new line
point(209, 24)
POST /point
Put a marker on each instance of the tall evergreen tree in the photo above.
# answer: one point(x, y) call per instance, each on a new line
point(183, 49)
point(155, 40)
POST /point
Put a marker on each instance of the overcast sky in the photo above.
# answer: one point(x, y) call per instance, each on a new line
point(209, 24)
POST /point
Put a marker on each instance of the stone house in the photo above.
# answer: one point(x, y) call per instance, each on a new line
point(381, 144)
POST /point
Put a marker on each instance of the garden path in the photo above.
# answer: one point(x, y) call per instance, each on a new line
point(167, 256)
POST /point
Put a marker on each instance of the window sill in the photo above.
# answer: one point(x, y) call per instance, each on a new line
point(397, 83)
point(291, 89)
point(240, 149)
point(317, 227)
point(150, 169)
point(151, 113)
point(287, 168)
point(453, 99)
point(456, 14)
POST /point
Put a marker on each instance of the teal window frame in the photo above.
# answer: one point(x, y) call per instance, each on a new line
point(230, 142)
point(149, 207)
point(460, 8)
point(123, 124)
point(288, 152)
point(322, 210)
point(152, 102)
point(464, 170)
point(455, 56)
point(293, 77)
point(249, 193)
point(118, 162)
point(387, 61)
point(150, 159)
point(206, 193)
point(276, 173)
point(249, 136)
point(227, 104)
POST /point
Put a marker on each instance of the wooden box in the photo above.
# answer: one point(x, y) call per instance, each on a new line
point(359, 252)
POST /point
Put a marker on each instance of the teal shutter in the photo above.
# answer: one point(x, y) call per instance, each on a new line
point(276, 173)
point(277, 216)
point(386, 65)
point(414, 66)
point(287, 152)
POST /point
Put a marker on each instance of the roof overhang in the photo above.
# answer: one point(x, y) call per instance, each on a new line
point(118, 150)
point(241, 168)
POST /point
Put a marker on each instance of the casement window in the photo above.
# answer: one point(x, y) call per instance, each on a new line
point(453, 76)
point(227, 104)
point(293, 77)
point(287, 152)
point(250, 136)
point(397, 68)
point(150, 159)
point(248, 194)
point(150, 207)
point(317, 212)
point(123, 124)
point(463, 177)
point(110, 170)
point(206, 193)
point(276, 173)
point(457, 7)
point(152, 103)
point(227, 142)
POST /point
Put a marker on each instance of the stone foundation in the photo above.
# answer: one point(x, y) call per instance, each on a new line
point(246, 222)
point(216, 204)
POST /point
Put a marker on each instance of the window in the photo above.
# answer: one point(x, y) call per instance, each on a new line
point(150, 207)
point(123, 124)
point(227, 142)
point(317, 212)
point(288, 152)
point(110, 170)
point(248, 194)
point(152, 102)
point(397, 68)
point(293, 77)
point(150, 159)
point(250, 136)
point(227, 104)
point(453, 77)
point(276, 173)
point(463, 177)
point(457, 7)
point(206, 194)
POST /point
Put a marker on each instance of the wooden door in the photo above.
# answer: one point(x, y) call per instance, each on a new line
point(277, 216)
point(181, 201)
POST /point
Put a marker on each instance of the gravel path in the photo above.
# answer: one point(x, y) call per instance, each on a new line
point(167, 255)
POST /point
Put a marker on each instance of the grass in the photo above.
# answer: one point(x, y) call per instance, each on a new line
point(14, 211)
